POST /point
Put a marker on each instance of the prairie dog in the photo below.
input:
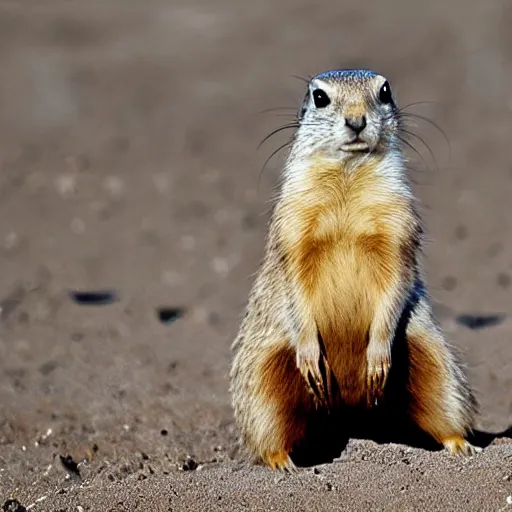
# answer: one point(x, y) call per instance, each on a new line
point(340, 285)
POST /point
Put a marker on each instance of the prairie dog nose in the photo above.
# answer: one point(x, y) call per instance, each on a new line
point(357, 124)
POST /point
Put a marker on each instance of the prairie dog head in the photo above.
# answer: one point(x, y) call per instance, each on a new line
point(346, 114)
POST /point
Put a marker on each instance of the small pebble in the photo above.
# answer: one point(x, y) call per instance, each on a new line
point(77, 226)
point(509, 500)
point(188, 242)
point(66, 185)
point(221, 266)
point(11, 241)
point(161, 182)
point(114, 185)
point(189, 465)
point(169, 315)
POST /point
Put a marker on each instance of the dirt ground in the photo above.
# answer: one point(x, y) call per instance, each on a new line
point(128, 136)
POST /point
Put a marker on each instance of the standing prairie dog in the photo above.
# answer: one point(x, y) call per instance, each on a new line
point(341, 285)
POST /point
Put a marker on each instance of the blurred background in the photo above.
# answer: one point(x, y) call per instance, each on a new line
point(128, 164)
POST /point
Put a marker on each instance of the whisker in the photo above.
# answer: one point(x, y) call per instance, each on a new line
point(292, 125)
point(276, 109)
point(411, 115)
point(277, 130)
point(416, 103)
point(287, 143)
point(409, 145)
point(298, 77)
point(412, 134)
point(289, 116)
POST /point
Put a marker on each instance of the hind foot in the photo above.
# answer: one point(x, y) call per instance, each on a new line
point(457, 445)
point(280, 461)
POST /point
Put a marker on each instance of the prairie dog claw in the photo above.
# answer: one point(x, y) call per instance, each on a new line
point(379, 362)
point(315, 369)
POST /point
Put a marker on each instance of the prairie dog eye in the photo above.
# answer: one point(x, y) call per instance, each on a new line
point(385, 94)
point(320, 98)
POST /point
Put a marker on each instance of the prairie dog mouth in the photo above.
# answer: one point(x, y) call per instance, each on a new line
point(355, 146)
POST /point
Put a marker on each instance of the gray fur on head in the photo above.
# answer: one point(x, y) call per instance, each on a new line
point(347, 113)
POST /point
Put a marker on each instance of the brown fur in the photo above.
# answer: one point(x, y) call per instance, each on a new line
point(355, 110)
point(282, 386)
point(426, 386)
point(431, 380)
point(342, 226)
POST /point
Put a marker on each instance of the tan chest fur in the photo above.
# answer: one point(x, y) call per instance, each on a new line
point(345, 234)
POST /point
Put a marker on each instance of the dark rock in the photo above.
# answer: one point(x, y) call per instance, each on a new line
point(189, 465)
point(48, 367)
point(93, 298)
point(13, 506)
point(69, 464)
point(169, 315)
point(480, 321)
